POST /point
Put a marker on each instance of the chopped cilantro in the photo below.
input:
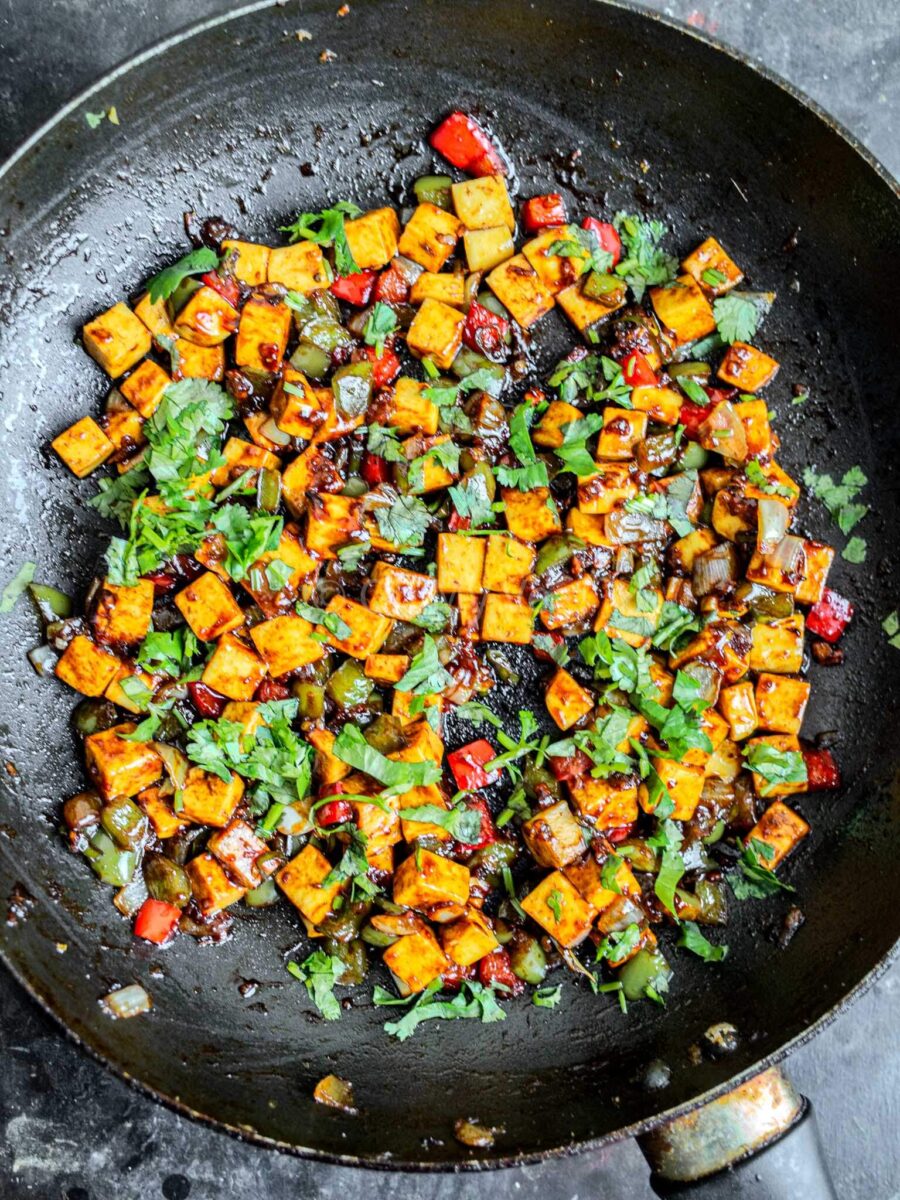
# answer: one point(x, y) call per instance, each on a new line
point(198, 262)
point(381, 323)
point(855, 550)
point(891, 626)
point(546, 997)
point(644, 264)
point(775, 766)
point(351, 747)
point(404, 522)
point(333, 622)
point(327, 229)
point(691, 938)
point(474, 1001)
point(555, 903)
point(425, 675)
point(737, 316)
point(756, 881)
point(320, 972)
point(470, 498)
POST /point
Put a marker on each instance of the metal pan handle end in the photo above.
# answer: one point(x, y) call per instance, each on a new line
point(760, 1140)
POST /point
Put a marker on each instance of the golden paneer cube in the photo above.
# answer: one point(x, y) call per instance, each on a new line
point(530, 516)
point(368, 630)
point(483, 203)
point(414, 961)
point(398, 593)
point(295, 405)
point(122, 613)
point(780, 828)
point(425, 879)
point(609, 803)
point(332, 521)
point(87, 667)
point(406, 712)
point(144, 387)
point(556, 271)
point(507, 564)
point(460, 563)
point(730, 516)
point(772, 575)
point(208, 800)
point(506, 619)
point(737, 704)
point(302, 881)
point(626, 618)
point(262, 334)
point(587, 876)
point(378, 823)
point(207, 319)
point(778, 645)
point(240, 457)
point(418, 797)
point(469, 609)
point(209, 607)
point(154, 314)
point(613, 483)
point(329, 768)
point(125, 429)
point(409, 411)
point(746, 368)
point(553, 836)
point(118, 695)
point(286, 643)
point(714, 725)
point(621, 432)
point(567, 701)
point(560, 909)
point(662, 404)
point(373, 238)
point(550, 430)
point(83, 447)
point(684, 552)
point(518, 287)
point(781, 702)
point(237, 848)
point(190, 361)
point(708, 263)
point(430, 236)
point(585, 311)
point(754, 416)
point(386, 668)
point(245, 714)
point(448, 287)
point(783, 743)
point(436, 333)
point(248, 261)
point(426, 472)
point(234, 670)
point(467, 940)
point(488, 248)
point(312, 472)
point(158, 809)
point(422, 744)
point(119, 767)
point(300, 268)
point(819, 558)
point(304, 572)
point(213, 890)
point(683, 309)
point(683, 783)
point(571, 603)
point(117, 339)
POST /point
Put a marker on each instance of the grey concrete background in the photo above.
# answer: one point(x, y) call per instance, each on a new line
point(69, 1130)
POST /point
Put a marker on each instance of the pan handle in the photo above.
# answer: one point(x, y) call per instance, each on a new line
point(759, 1140)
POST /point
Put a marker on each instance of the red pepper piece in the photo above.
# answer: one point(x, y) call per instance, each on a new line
point(692, 416)
point(355, 289)
point(455, 522)
point(162, 581)
point(830, 616)
point(467, 765)
point(392, 287)
point(453, 978)
point(822, 772)
point(496, 967)
point(573, 767)
point(156, 921)
point(718, 395)
point(462, 141)
point(619, 834)
point(335, 812)
point(271, 689)
point(226, 285)
point(208, 703)
point(606, 235)
point(484, 330)
point(637, 372)
point(541, 211)
point(385, 367)
point(488, 833)
point(544, 655)
point(375, 469)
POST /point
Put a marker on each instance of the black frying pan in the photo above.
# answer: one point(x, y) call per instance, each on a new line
point(241, 118)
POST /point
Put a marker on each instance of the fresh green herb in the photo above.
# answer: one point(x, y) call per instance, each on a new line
point(481, 380)
point(135, 690)
point(546, 997)
point(558, 651)
point(470, 498)
point(381, 323)
point(477, 713)
point(462, 823)
point(756, 881)
point(198, 262)
point(445, 454)
point(333, 622)
point(532, 473)
point(672, 865)
point(351, 747)
point(171, 652)
point(385, 442)
point(16, 586)
point(891, 626)
point(351, 555)
point(320, 972)
point(642, 585)
point(514, 749)
point(326, 228)
point(661, 803)
point(404, 522)
point(619, 944)
point(434, 617)
point(644, 264)
point(473, 1002)
point(675, 621)
point(713, 278)
point(555, 902)
point(737, 316)
point(760, 479)
point(775, 766)
point(855, 550)
point(278, 575)
point(800, 397)
point(247, 537)
point(353, 866)
point(585, 245)
point(573, 451)
point(691, 938)
point(693, 390)
point(426, 675)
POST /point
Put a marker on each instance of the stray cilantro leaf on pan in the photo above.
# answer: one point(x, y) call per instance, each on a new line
point(738, 315)
point(547, 997)
point(198, 262)
point(855, 550)
point(891, 626)
point(692, 938)
point(644, 263)
point(474, 1001)
point(320, 972)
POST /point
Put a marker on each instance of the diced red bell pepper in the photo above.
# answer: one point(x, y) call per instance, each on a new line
point(830, 616)
point(226, 285)
point(455, 522)
point(606, 235)
point(335, 812)
point(156, 921)
point(392, 287)
point(692, 416)
point(822, 772)
point(541, 211)
point(637, 372)
point(209, 704)
point(619, 834)
point(453, 978)
point(467, 765)
point(484, 330)
point(488, 833)
point(719, 395)
point(573, 767)
point(462, 141)
point(355, 289)
point(271, 689)
point(496, 968)
point(544, 655)
point(385, 367)
point(375, 469)
point(162, 581)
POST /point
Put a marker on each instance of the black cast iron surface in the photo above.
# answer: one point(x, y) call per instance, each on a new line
point(779, 997)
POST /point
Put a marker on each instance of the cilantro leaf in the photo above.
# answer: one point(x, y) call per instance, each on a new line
point(644, 264)
point(198, 262)
point(691, 938)
point(891, 626)
point(404, 522)
point(462, 823)
point(385, 442)
point(381, 323)
point(755, 880)
point(425, 675)
point(320, 972)
point(737, 317)
point(333, 622)
point(471, 499)
point(674, 622)
point(351, 747)
point(855, 550)
point(775, 766)
point(247, 536)
point(474, 1001)
point(326, 228)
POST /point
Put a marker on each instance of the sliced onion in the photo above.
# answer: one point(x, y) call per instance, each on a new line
point(175, 762)
point(723, 431)
point(43, 659)
point(715, 570)
point(787, 557)
point(128, 1001)
point(774, 519)
point(624, 561)
point(622, 526)
point(409, 269)
point(270, 430)
point(398, 925)
point(472, 288)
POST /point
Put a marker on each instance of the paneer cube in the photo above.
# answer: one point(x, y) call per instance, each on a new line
point(248, 261)
point(567, 701)
point(117, 339)
point(553, 836)
point(460, 563)
point(550, 430)
point(119, 767)
point(373, 238)
point(571, 603)
point(409, 411)
point(87, 667)
point(632, 616)
point(426, 878)
point(483, 203)
point(430, 236)
point(781, 702)
point(378, 823)
point(190, 361)
point(683, 309)
point(783, 743)
point(746, 368)
point(213, 890)
point(312, 472)
point(418, 797)
point(207, 319)
point(707, 263)
point(286, 643)
point(125, 429)
point(778, 645)
point(368, 630)
point(737, 704)
point(332, 522)
point(819, 558)
point(448, 287)
point(530, 516)
point(772, 575)
point(731, 518)
point(714, 725)
point(209, 800)
point(400, 594)
point(621, 432)
point(683, 783)
point(209, 607)
point(614, 483)
point(507, 564)
point(263, 333)
point(587, 876)
point(238, 848)
point(684, 552)
point(303, 882)
point(780, 828)
point(518, 286)
point(754, 416)
point(467, 940)
point(414, 961)
point(469, 609)
point(427, 471)
point(779, 477)
point(328, 767)
point(610, 803)
point(560, 909)
point(154, 315)
point(300, 268)
point(234, 670)
point(556, 271)
point(144, 387)
point(295, 405)
point(488, 248)
point(305, 567)
point(163, 818)
point(83, 447)
point(661, 404)
point(585, 311)
point(240, 457)
point(123, 614)
point(386, 668)
point(506, 619)
point(436, 333)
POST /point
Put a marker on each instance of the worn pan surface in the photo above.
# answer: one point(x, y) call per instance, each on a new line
point(242, 119)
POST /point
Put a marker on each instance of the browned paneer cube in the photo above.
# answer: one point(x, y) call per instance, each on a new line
point(731, 516)
point(427, 472)
point(418, 797)
point(286, 643)
point(662, 404)
point(240, 457)
point(83, 447)
point(773, 575)
point(144, 387)
point(507, 564)
point(313, 472)
point(430, 236)
point(119, 767)
point(746, 368)
point(117, 339)
point(329, 768)
point(506, 619)
point(553, 836)
point(683, 309)
point(304, 571)
point(819, 558)
point(571, 603)
point(425, 879)
point(626, 619)
point(302, 881)
point(783, 743)
point(87, 667)
point(436, 333)
point(468, 939)
point(398, 593)
point(386, 668)
point(122, 613)
point(712, 268)
point(683, 783)
point(158, 809)
point(332, 521)
point(209, 607)
point(587, 876)
point(379, 823)
point(234, 670)
point(781, 702)
point(488, 248)
point(754, 416)
point(469, 609)
point(483, 203)
point(263, 333)
point(414, 961)
point(550, 431)
point(530, 516)
point(518, 287)
point(556, 271)
point(778, 645)
point(237, 848)
point(154, 314)
point(368, 630)
point(714, 725)
point(448, 287)
point(213, 890)
point(125, 429)
point(402, 707)
point(684, 552)
point(248, 261)
point(583, 310)
point(422, 744)
point(558, 906)
point(190, 361)
point(295, 405)
point(207, 319)
point(409, 411)
point(737, 704)
point(613, 483)
point(209, 800)
point(610, 803)
point(621, 432)
point(300, 267)
point(373, 238)
point(460, 563)
point(244, 713)
point(780, 828)
point(724, 643)
point(567, 701)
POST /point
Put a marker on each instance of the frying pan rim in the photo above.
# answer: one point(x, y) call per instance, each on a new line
point(489, 1162)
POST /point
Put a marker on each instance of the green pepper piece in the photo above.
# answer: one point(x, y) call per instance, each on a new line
point(349, 686)
point(124, 822)
point(434, 189)
point(92, 716)
point(312, 360)
point(527, 958)
point(556, 551)
point(605, 289)
point(645, 969)
point(352, 387)
point(166, 880)
point(268, 490)
point(52, 604)
point(112, 865)
point(312, 699)
point(262, 896)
